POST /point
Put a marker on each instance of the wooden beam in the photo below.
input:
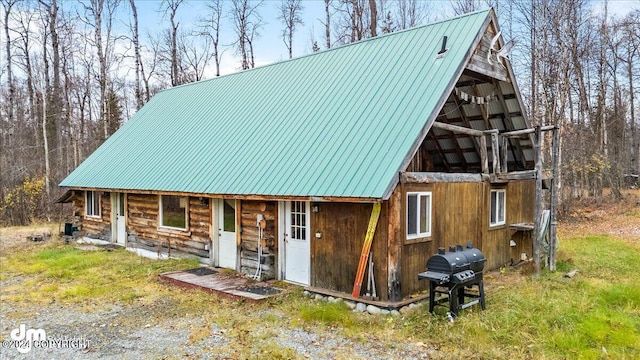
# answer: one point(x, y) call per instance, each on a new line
point(538, 205)
point(440, 151)
point(483, 155)
point(517, 175)
point(504, 156)
point(495, 152)
point(239, 196)
point(528, 131)
point(394, 245)
point(439, 177)
point(457, 129)
point(465, 120)
point(518, 154)
point(553, 241)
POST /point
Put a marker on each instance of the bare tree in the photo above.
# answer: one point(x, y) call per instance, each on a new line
point(172, 9)
point(196, 55)
point(327, 23)
point(7, 5)
point(290, 15)
point(136, 49)
point(246, 21)
point(211, 27)
point(101, 14)
point(411, 13)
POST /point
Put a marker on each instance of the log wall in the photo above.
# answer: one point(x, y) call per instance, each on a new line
point(144, 231)
point(336, 255)
point(249, 211)
point(98, 228)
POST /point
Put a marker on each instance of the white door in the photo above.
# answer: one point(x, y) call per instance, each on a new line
point(297, 242)
point(227, 248)
point(121, 217)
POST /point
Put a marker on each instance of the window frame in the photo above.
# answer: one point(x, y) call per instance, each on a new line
point(418, 234)
point(161, 214)
point(493, 213)
point(95, 196)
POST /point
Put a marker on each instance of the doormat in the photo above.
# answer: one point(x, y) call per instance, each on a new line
point(260, 290)
point(202, 271)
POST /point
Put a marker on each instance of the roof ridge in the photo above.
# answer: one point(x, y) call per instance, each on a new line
point(342, 46)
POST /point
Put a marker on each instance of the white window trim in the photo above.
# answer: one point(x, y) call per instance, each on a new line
point(418, 234)
point(86, 204)
point(504, 208)
point(186, 215)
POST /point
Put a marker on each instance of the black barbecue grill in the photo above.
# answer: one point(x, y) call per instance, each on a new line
point(454, 274)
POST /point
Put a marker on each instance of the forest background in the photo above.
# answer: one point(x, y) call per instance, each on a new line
point(72, 72)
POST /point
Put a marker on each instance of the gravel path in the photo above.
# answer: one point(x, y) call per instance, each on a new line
point(134, 331)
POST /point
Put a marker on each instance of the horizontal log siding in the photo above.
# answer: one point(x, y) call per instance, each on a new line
point(143, 219)
point(249, 237)
point(99, 228)
point(335, 256)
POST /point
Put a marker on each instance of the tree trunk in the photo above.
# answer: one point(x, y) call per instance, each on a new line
point(138, 59)
point(10, 112)
point(373, 12)
point(327, 24)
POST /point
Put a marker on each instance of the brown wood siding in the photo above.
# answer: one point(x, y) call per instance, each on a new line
point(454, 220)
point(249, 237)
point(520, 206)
point(478, 61)
point(142, 215)
point(335, 256)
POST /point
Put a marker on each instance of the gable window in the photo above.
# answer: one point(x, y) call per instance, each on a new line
point(173, 211)
point(92, 203)
point(498, 202)
point(418, 214)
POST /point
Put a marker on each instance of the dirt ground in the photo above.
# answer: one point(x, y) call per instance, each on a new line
point(616, 218)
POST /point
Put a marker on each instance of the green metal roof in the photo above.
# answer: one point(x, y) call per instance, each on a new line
point(338, 123)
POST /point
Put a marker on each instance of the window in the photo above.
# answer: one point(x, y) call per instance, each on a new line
point(498, 201)
point(418, 214)
point(93, 203)
point(299, 220)
point(173, 211)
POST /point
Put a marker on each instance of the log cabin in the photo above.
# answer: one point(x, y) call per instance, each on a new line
point(278, 168)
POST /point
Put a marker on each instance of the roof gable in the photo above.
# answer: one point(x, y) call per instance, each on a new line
point(339, 123)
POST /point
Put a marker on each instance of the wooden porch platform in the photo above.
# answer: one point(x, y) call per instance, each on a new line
point(212, 280)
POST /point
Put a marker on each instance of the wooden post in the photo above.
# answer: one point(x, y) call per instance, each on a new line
point(505, 154)
point(483, 155)
point(553, 241)
point(538, 205)
point(495, 152)
point(394, 248)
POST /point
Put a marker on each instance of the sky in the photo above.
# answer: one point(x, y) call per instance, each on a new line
point(270, 48)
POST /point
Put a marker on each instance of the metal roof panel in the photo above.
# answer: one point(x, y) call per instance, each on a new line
point(336, 123)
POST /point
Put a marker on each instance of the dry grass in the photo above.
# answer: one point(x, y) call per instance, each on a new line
point(594, 315)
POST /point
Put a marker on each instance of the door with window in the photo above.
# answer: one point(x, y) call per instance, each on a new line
point(297, 242)
point(120, 218)
point(227, 248)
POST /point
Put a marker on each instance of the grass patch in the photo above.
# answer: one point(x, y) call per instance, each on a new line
point(62, 273)
point(326, 313)
point(594, 315)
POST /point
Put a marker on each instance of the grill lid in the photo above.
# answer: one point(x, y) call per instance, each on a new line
point(456, 260)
